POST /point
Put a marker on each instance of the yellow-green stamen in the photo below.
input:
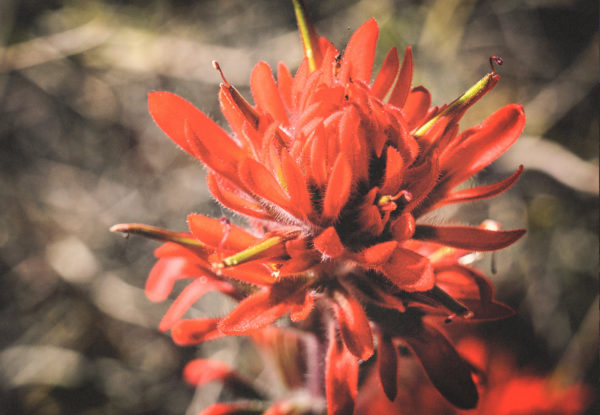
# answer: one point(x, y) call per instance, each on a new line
point(256, 251)
point(461, 103)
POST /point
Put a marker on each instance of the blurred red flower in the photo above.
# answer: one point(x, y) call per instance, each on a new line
point(332, 173)
point(505, 389)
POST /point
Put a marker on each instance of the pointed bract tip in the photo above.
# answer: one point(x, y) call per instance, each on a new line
point(156, 233)
point(308, 34)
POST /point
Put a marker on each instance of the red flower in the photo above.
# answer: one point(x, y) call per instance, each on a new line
point(505, 389)
point(333, 172)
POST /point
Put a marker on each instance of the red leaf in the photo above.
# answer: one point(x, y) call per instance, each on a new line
point(493, 310)
point(462, 282)
point(195, 331)
point(338, 188)
point(235, 408)
point(328, 242)
point(164, 274)
point(402, 87)
point(387, 366)
point(222, 159)
point(201, 371)
point(354, 325)
point(473, 289)
point(387, 74)
point(214, 233)
point(481, 145)
point(481, 192)
point(469, 238)
point(170, 112)
point(341, 377)
point(357, 62)
point(190, 294)
point(266, 94)
point(446, 369)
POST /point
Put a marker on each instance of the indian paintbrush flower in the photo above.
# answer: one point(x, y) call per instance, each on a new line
point(333, 173)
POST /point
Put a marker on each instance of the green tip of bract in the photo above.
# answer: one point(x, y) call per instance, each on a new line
point(308, 34)
point(156, 233)
point(457, 108)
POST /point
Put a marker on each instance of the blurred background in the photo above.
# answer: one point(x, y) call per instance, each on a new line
point(79, 153)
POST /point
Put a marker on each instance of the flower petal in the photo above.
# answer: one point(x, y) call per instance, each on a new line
point(465, 237)
point(402, 86)
point(165, 272)
point(416, 106)
point(341, 377)
point(387, 74)
point(296, 183)
point(232, 408)
point(285, 82)
point(299, 312)
point(481, 192)
point(394, 170)
point(266, 94)
point(251, 272)
point(377, 254)
point(232, 200)
point(215, 233)
point(354, 325)
point(338, 188)
point(202, 371)
point(446, 369)
point(483, 144)
point(357, 62)
point(195, 331)
point(254, 312)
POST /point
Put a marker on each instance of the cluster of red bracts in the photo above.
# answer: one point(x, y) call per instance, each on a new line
point(332, 173)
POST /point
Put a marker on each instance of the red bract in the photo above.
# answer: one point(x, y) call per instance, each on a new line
point(333, 172)
point(505, 388)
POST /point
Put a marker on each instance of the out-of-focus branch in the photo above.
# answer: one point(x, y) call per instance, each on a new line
point(566, 91)
point(556, 161)
point(581, 350)
point(52, 47)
